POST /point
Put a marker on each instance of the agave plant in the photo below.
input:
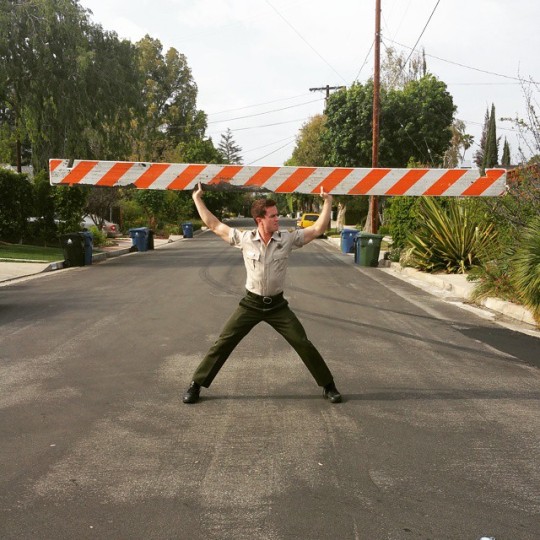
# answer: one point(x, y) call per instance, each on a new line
point(525, 274)
point(451, 239)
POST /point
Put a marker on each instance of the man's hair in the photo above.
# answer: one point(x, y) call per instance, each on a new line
point(259, 206)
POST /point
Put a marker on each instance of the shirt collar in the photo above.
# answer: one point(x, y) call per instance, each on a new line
point(275, 236)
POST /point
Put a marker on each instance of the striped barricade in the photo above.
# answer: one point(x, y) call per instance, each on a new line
point(334, 180)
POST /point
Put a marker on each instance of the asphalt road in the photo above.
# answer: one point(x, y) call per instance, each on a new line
point(438, 436)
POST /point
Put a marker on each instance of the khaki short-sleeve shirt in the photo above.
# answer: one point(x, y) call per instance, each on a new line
point(266, 265)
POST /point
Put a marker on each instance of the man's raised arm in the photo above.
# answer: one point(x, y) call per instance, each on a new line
point(211, 221)
point(319, 227)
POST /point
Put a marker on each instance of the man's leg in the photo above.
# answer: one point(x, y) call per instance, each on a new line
point(237, 327)
point(287, 324)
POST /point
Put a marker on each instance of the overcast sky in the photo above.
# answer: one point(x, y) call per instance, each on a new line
point(258, 59)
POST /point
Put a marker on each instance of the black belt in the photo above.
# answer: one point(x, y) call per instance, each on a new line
point(268, 300)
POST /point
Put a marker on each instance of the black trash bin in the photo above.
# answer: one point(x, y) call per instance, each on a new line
point(150, 242)
point(88, 246)
point(367, 248)
point(187, 230)
point(139, 238)
point(73, 248)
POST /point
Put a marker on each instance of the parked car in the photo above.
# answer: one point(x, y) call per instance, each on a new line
point(307, 220)
point(112, 230)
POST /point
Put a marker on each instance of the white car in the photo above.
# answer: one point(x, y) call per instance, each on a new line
point(110, 229)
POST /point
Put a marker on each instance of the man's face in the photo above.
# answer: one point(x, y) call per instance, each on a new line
point(270, 222)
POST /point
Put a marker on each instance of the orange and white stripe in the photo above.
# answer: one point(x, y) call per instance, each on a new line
point(334, 180)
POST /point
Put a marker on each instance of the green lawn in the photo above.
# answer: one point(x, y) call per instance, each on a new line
point(33, 253)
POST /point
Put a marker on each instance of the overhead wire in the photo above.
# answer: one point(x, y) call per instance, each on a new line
point(270, 153)
point(258, 104)
point(269, 125)
point(365, 61)
point(270, 144)
point(469, 67)
point(306, 41)
point(422, 33)
point(265, 112)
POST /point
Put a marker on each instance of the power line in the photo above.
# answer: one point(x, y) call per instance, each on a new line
point(469, 67)
point(270, 153)
point(365, 61)
point(422, 33)
point(269, 125)
point(265, 112)
point(306, 41)
point(289, 137)
point(258, 104)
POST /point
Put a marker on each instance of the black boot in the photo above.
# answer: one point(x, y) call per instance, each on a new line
point(331, 392)
point(192, 393)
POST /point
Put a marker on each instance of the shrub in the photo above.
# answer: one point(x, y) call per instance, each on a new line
point(99, 238)
point(401, 219)
point(451, 239)
point(16, 205)
point(525, 274)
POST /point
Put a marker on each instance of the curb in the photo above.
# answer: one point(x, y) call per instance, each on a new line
point(457, 286)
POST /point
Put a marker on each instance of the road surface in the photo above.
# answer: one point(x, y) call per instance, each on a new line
point(438, 436)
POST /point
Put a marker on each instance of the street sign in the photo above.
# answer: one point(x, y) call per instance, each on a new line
point(334, 180)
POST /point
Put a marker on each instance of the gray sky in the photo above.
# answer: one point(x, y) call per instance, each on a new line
point(257, 59)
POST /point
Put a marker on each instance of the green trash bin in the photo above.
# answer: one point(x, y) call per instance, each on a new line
point(367, 247)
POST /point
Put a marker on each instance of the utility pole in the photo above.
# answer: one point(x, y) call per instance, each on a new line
point(327, 89)
point(373, 201)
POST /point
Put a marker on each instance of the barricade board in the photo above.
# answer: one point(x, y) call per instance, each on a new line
point(334, 180)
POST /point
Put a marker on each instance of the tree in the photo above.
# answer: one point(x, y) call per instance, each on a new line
point(100, 203)
point(169, 115)
point(309, 149)
point(528, 128)
point(152, 202)
point(415, 122)
point(491, 154)
point(229, 149)
point(308, 152)
point(460, 140)
point(479, 155)
point(67, 88)
point(394, 72)
point(506, 159)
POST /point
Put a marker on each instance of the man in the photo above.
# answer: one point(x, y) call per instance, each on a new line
point(266, 252)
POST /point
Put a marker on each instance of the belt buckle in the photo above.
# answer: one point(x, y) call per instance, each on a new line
point(267, 300)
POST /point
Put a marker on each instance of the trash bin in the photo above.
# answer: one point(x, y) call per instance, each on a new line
point(88, 246)
point(347, 240)
point(150, 242)
point(367, 248)
point(73, 248)
point(139, 238)
point(187, 230)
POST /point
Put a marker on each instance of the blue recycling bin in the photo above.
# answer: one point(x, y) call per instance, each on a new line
point(187, 230)
point(88, 246)
point(139, 238)
point(347, 240)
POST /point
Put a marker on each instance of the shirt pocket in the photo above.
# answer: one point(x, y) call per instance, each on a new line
point(280, 255)
point(280, 260)
point(252, 257)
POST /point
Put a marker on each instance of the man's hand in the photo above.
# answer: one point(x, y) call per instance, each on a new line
point(198, 192)
point(326, 196)
point(318, 228)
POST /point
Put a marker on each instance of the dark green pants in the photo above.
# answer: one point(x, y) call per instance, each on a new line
point(279, 316)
